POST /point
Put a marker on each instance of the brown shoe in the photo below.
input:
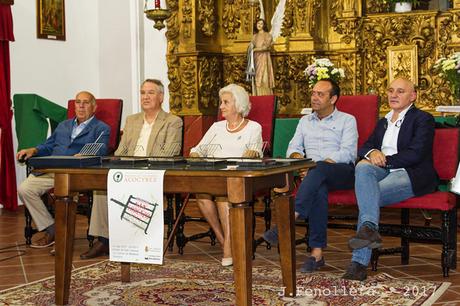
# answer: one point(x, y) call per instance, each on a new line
point(98, 249)
point(366, 237)
point(44, 242)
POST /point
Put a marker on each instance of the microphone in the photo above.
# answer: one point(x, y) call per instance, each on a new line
point(205, 148)
point(209, 142)
point(123, 150)
point(168, 150)
point(93, 147)
point(97, 139)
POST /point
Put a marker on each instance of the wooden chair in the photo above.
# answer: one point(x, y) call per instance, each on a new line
point(445, 159)
point(365, 109)
point(263, 111)
point(108, 111)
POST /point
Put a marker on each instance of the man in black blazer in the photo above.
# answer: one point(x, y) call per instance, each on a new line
point(397, 164)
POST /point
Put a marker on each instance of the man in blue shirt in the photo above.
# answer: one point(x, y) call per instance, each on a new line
point(67, 139)
point(329, 137)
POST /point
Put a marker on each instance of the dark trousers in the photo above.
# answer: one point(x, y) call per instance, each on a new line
point(311, 198)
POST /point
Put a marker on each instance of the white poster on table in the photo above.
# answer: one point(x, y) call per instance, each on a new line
point(135, 202)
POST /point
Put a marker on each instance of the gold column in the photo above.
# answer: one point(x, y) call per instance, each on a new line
point(194, 58)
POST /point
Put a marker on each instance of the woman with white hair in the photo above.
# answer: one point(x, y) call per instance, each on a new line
point(235, 136)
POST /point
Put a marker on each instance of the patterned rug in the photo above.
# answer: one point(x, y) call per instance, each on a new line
point(198, 283)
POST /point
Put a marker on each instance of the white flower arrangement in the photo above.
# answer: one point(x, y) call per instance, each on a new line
point(323, 68)
point(449, 69)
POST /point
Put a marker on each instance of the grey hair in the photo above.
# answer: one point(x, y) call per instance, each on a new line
point(243, 106)
point(156, 82)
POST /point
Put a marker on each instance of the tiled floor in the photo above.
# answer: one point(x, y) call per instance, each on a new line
point(20, 264)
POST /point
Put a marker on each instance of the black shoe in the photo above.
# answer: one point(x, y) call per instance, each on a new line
point(311, 265)
point(366, 237)
point(356, 271)
point(271, 236)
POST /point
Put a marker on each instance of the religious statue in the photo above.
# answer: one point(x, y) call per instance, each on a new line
point(260, 69)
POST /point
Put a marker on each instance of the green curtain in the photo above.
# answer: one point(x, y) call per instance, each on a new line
point(31, 112)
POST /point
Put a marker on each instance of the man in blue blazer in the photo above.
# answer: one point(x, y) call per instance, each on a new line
point(397, 164)
point(67, 139)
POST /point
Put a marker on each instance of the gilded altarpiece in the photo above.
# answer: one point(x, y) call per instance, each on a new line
point(207, 42)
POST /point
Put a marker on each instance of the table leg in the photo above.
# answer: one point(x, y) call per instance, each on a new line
point(65, 231)
point(241, 231)
point(125, 272)
point(284, 206)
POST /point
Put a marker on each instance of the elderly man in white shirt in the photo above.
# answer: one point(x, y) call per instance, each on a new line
point(397, 164)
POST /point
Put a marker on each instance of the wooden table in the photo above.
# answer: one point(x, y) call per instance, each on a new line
point(238, 185)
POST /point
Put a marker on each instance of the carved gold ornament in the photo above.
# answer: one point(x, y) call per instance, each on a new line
point(208, 39)
point(402, 63)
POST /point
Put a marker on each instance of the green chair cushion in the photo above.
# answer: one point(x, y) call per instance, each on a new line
point(449, 120)
point(284, 131)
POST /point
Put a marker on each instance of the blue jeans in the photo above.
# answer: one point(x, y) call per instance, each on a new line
point(311, 199)
point(377, 187)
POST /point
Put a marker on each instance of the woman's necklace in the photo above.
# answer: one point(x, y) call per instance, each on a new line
point(237, 127)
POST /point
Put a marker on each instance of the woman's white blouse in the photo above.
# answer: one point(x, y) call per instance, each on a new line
point(218, 142)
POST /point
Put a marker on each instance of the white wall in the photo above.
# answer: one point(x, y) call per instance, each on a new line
point(55, 70)
point(118, 57)
point(110, 48)
point(104, 53)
